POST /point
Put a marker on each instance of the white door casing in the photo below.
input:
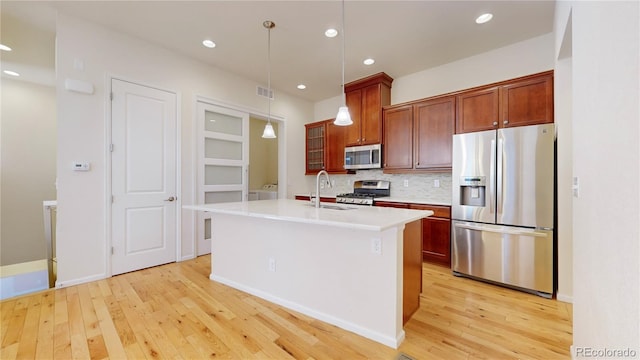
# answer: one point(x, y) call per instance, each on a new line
point(143, 177)
point(223, 160)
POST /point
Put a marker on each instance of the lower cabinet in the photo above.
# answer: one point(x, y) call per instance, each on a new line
point(436, 231)
point(322, 198)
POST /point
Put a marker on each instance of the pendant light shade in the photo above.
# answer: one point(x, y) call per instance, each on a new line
point(343, 118)
point(268, 129)
point(268, 132)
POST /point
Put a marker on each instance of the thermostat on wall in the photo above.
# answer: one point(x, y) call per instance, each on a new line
point(81, 166)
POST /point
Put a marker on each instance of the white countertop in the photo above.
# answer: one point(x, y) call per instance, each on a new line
point(357, 217)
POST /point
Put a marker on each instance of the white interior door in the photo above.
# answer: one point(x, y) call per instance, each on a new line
point(223, 159)
point(143, 172)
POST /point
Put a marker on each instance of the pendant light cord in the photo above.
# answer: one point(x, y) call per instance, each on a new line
point(269, 26)
point(344, 94)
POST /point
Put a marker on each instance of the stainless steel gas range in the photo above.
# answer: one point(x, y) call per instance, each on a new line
point(365, 191)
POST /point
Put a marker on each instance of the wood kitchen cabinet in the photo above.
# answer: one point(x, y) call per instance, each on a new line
point(334, 150)
point(436, 231)
point(436, 234)
point(322, 198)
point(324, 147)
point(523, 101)
point(365, 99)
point(418, 136)
point(433, 130)
point(314, 148)
point(397, 149)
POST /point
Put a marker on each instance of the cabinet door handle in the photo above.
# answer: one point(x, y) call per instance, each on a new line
point(495, 123)
point(505, 122)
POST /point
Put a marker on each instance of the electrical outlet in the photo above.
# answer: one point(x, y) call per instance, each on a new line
point(436, 183)
point(272, 264)
point(322, 184)
point(376, 246)
point(406, 183)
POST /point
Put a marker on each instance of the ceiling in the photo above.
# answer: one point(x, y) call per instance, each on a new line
point(402, 36)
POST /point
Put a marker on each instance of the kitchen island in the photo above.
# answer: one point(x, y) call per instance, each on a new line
point(356, 267)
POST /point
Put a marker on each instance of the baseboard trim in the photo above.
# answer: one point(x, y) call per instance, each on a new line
point(72, 282)
point(564, 298)
point(346, 325)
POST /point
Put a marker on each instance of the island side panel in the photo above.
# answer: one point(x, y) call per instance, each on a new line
point(412, 277)
point(329, 273)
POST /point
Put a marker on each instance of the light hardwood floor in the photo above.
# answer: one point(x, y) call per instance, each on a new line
point(175, 311)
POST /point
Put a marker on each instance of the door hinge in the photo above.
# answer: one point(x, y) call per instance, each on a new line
point(111, 96)
point(111, 147)
point(112, 250)
point(112, 199)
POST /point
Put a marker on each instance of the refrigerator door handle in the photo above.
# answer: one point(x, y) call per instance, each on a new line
point(499, 182)
point(501, 230)
point(492, 180)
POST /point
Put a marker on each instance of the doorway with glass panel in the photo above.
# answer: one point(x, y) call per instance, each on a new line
point(223, 160)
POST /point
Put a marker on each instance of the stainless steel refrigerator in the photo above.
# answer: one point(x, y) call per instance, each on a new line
point(503, 207)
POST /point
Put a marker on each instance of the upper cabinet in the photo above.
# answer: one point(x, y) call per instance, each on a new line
point(433, 131)
point(315, 144)
point(365, 99)
point(324, 147)
point(523, 101)
point(398, 138)
point(418, 136)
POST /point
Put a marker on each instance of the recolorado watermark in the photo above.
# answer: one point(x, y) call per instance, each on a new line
point(603, 353)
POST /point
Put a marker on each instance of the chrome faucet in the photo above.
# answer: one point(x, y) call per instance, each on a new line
point(326, 174)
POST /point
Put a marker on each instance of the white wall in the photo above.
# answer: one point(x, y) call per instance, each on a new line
point(28, 168)
point(82, 129)
point(606, 113)
point(564, 126)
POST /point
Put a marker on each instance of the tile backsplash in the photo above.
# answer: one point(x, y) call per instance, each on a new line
point(420, 186)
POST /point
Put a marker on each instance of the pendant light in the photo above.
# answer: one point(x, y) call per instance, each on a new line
point(268, 129)
point(343, 118)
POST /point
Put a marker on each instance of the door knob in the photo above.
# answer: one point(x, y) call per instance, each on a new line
point(505, 122)
point(495, 123)
point(171, 198)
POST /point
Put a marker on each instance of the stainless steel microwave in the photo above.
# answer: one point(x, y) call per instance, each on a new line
point(363, 157)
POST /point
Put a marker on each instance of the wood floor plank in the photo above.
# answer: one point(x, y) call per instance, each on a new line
point(112, 341)
point(44, 347)
point(16, 322)
point(29, 336)
point(6, 311)
point(175, 311)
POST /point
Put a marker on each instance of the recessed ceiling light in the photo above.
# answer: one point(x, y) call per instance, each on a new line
point(208, 43)
point(369, 61)
point(331, 33)
point(4, 47)
point(12, 73)
point(302, 86)
point(484, 18)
